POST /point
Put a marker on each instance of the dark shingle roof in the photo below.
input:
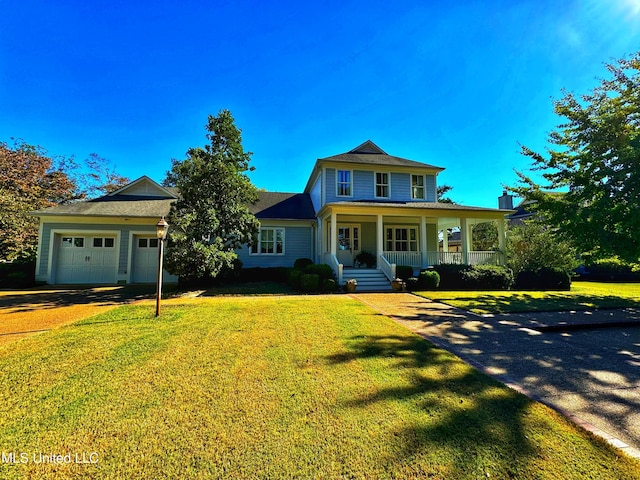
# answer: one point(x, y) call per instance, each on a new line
point(370, 154)
point(118, 206)
point(293, 206)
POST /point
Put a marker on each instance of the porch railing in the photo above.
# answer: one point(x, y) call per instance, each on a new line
point(389, 269)
point(473, 258)
point(337, 267)
point(404, 258)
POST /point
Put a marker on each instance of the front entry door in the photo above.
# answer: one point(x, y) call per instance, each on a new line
point(348, 244)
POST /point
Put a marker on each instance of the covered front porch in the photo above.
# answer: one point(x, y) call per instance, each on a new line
point(402, 234)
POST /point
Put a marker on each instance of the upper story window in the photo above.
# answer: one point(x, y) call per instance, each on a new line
point(417, 187)
point(382, 185)
point(270, 241)
point(343, 183)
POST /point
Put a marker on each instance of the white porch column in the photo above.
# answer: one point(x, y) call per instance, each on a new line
point(379, 238)
point(423, 240)
point(334, 234)
point(501, 240)
point(445, 239)
point(465, 237)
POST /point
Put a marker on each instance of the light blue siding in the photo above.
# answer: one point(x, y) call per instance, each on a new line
point(363, 187)
point(430, 188)
point(330, 185)
point(400, 187)
point(298, 243)
point(316, 194)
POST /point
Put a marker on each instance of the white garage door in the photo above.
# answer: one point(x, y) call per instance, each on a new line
point(145, 259)
point(86, 259)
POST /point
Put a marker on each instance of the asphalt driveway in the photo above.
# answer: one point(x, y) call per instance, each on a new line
point(584, 364)
point(32, 311)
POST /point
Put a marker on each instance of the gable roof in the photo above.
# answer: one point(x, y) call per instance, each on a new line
point(369, 153)
point(289, 206)
point(139, 199)
point(144, 186)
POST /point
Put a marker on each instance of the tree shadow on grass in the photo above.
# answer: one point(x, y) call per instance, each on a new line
point(528, 302)
point(28, 301)
point(468, 415)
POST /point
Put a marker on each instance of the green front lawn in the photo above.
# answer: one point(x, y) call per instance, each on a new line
point(272, 387)
point(583, 296)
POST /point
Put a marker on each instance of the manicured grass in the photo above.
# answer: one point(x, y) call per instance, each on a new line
point(583, 296)
point(250, 288)
point(273, 387)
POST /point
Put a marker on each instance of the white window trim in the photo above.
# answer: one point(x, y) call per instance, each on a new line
point(424, 186)
point(393, 240)
point(376, 184)
point(259, 243)
point(350, 183)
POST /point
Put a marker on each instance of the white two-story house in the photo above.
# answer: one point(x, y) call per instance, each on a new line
point(364, 200)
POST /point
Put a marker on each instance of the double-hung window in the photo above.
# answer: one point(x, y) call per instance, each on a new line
point(382, 185)
point(343, 183)
point(270, 241)
point(417, 187)
point(402, 239)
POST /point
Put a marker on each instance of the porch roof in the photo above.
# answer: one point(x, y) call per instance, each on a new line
point(438, 209)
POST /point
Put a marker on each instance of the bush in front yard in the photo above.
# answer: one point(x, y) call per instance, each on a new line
point(310, 282)
point(302, 263)
point(323, 270)
point(487, 277)
point(543, 279)
point(295, 279)
point(412, 284)
point(474, 277)
point(450, 276)
point(329, 285)
point(404, 271)
point(428, 280)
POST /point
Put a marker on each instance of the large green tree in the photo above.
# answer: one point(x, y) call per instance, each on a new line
point(30, 180)
point(595, 158)
point(211, 219)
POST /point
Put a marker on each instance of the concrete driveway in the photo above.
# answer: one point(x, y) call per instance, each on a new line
point(584, 364)
point(27, 312)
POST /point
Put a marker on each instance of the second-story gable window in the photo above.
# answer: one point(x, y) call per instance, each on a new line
point(343, 179)
point(417, 187)
point(382, 185)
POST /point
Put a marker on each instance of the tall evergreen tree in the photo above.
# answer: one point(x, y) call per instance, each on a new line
point(211, 219)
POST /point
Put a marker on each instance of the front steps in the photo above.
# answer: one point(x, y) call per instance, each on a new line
point(369, 279)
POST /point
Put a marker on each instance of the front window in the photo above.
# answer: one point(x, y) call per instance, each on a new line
point(269, 241)
point(344, 183)
point(402, 239)
point(382, 185)
point(417, 187)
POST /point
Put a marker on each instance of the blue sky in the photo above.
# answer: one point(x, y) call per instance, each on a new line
point(454, 84)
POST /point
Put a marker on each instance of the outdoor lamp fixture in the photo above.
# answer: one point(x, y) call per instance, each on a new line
point(161, 231)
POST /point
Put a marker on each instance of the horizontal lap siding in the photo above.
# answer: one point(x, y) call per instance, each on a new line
point(363, 185)
point(401, 187)
point(430, 186)
point(298, 243)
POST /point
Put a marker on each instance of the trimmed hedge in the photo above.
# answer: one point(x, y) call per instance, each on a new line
point(404, 272)
point(428, 280)
point(612, 268)
point(265, 274)
point(302, 263)
point(17, 275)
point(474, 277)
point(310, 282)
point(543, 279)
point(488, 277)
point(322, 269)
point(295, 279)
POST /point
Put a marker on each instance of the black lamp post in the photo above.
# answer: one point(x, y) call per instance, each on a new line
point(161, 231)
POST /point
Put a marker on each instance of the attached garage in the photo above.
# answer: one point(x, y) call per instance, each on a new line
point(86, 259)
point(145, 259)
point(107, 240)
